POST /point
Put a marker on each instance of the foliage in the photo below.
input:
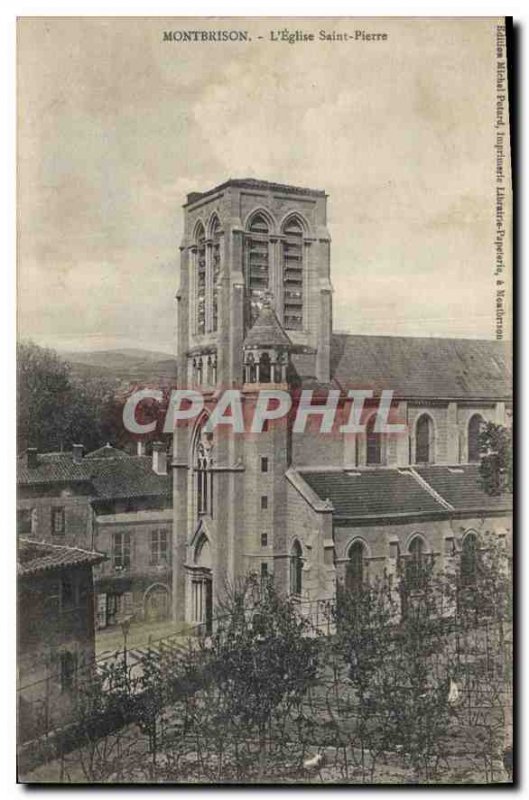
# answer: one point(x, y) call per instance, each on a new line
point(496, 467)
point(57, 409)
point(410, 682)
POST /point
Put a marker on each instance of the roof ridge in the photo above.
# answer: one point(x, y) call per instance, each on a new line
point(60, 546)
point(425, 485)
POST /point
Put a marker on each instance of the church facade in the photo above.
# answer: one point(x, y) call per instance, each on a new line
point(314, 509)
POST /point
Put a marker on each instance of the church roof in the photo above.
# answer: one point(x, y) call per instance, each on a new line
point(390, 491)
point(417, 367)
point(267, 331)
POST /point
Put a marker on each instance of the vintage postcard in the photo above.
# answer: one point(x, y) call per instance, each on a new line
point(264, 478)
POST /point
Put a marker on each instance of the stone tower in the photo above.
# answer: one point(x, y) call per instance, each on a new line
point(254, 290)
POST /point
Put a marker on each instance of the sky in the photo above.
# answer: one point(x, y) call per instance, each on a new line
point(116, 126)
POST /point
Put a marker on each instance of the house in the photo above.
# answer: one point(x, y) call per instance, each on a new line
point(55, 627)
point(115, 503)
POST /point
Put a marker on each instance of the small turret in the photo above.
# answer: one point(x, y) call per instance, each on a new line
point(266, 348)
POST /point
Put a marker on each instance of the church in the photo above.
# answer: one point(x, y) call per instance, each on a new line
point(254, 312)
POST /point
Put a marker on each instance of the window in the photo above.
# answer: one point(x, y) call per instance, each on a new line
point(257, 265)
point(354, 576)
point(264, 540)
point(373, 444)
point(293, 275)
point(114, 608)
point(24, 525)
point(265, 372)
point(424, 440)
point(264, 502)
point(469, 551)
point(296, 567)
point(68, 669)
point(215, 269)
point(475, 427)
point(264, 464)
point(416, 565)
point(264, 570)
point(160, 547)
point(201, 280)
point(204, 475)
point(121, 550)
point(57, 521)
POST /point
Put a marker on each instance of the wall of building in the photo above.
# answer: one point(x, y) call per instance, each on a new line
point(77, 513)
point(48, 626)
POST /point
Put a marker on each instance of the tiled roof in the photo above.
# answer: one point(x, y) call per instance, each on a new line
point(107, 452)
point(53, 468)
point(267, 331)
point(132, 477)
point(36, 557)
point(119, 476)
point(460, 486)
point(387, 492)
point(369, 493)
point(423, 367)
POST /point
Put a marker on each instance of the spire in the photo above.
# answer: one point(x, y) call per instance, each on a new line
point(267, 331)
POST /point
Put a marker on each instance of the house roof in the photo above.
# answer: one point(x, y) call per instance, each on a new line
point(387, 492)
point(107, 452)
point(267, 331)
point(35, 557)
point(132, 477)
point(418, 367)
point(110, 476)
point(52, 468)
point(460, 486)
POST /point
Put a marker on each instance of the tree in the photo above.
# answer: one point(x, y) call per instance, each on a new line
point(496, 461)
point(57, 409)
point(43, 396)
point(260, 663)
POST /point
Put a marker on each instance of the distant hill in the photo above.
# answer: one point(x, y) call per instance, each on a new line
point(130, 365)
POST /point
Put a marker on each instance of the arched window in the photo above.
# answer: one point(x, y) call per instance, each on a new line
point(469, 550)
point(416, 565)
point(424, 440)
point(296, 567)
point(475, 427)
point(215, 274)
point(373, 444)
point(257, 265)
point(200, 279)
point(293, 274)
point(204, 476)
point(264, 368)
point(354, 575)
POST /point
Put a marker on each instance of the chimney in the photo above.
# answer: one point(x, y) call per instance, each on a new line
point(32, 456)
point(159, 458)
point(77, 453)
point(140, 447)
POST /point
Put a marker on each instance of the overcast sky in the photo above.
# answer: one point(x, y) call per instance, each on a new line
point(116, 126)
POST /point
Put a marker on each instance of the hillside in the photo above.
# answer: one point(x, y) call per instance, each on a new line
point(131, 365)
